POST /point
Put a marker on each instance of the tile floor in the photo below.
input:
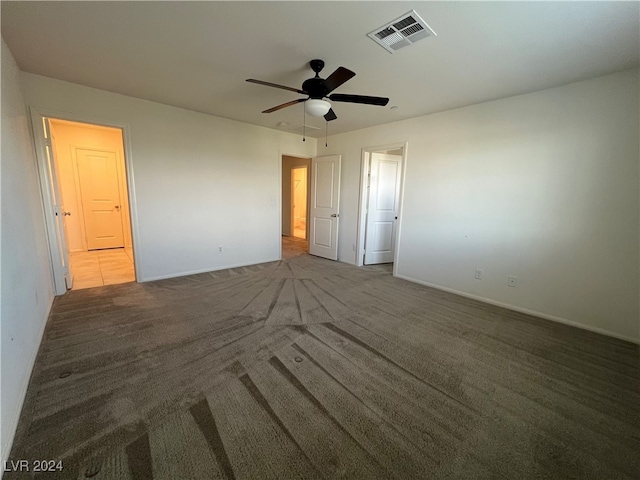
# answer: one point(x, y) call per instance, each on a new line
point(300, 228)
point(101, 267)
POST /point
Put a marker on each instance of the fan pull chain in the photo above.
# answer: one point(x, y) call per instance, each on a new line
point(326, 132)
point(304, 123)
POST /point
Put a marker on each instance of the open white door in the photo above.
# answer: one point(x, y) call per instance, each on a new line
point(382, 211)
point(325, 200)
point(53, 204)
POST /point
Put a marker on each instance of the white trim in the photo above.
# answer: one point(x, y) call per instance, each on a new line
point(37, 114)
point(396, 256)
point(527, 311)
point(47, 194)
point(362, 200)
point(207, 270)
point(11, 434)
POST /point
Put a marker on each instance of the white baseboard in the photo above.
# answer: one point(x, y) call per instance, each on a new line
point(7, 443)
point(528, 311)
point(205, 270)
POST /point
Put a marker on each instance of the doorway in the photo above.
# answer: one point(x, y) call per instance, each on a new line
point(295, 205)
point(89, 174)
point(380, 203)
point(299, 201)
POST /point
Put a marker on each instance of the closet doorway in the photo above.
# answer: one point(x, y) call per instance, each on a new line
point(381, 187)
point(295, 205)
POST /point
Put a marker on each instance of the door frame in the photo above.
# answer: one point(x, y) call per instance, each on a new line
point(362, 201)
point(37, 130)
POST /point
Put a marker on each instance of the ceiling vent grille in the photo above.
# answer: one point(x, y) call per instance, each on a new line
point(401, 32)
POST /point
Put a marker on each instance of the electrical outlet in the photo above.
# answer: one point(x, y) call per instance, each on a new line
point(479, 274)
point(512, 281)
point(220, 249)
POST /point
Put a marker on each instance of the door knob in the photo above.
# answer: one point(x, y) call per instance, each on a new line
point(335, 215)
point(117, 207)
point(66, 214)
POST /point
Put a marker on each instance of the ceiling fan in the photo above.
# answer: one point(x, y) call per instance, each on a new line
point(317, 89)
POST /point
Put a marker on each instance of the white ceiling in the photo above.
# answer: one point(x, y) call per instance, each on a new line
point(196, 55)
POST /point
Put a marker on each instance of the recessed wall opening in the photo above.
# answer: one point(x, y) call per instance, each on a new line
point(295, 205)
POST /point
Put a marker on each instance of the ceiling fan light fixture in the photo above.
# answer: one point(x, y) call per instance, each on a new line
point(316, 107)
point(317, 89)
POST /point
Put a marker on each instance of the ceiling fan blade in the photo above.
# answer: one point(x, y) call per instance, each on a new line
point(275, 85)
point(330, 115)
point(337, 78)
point(341, 97)
point(285, 105)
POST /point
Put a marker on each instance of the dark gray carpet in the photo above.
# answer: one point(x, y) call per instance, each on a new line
point(308, 368)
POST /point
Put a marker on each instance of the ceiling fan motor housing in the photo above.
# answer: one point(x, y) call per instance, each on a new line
point(315, 88)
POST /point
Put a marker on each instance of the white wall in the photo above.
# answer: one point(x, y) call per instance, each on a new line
point(199, 181)
point(543, 186)
point(26, 283)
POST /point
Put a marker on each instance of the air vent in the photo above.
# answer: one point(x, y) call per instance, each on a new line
point(401, 32)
